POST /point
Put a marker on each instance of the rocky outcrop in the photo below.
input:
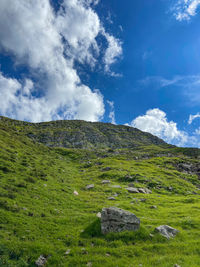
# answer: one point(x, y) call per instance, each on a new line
point(117, 220)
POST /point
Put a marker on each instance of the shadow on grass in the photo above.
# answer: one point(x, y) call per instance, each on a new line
point(94, 230)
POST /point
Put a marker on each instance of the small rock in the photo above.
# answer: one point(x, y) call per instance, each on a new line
point(89, 264)
point(68, 252)
point(99, 214)
point(151, 235)
point(90, 186)
point(176, 265)
point(107, 255)
point(106, 169)
point(111, 198)
point(115, 186)
point(75, 193)
point(41, 261)
point(132, 190)
point(143, 199)
point(105, 182)
point(153, 207)
point(166, 231)
point(84, 251)
point(45, 185)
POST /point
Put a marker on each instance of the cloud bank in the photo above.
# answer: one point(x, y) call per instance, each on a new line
point(49, 44)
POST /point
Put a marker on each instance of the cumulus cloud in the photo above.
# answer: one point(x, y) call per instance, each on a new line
point(156, 123)
point(49, 44)
point(193, 117)
point(112, 112)
point(185, 9)
point(113, 52)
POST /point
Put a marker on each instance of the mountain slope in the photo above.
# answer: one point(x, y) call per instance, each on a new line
point(82, 134)
point(41, 215)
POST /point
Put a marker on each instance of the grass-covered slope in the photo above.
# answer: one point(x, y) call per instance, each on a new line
point(41, 215)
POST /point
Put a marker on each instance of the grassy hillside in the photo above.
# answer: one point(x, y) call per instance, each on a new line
point(41, 215)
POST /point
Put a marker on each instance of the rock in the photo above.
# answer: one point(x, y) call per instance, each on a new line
point(132, 190)
point(105, 182)
point(90, 186)
point(99, 214)
point(111, 198)
point(84, 251)
point(106, 169)
point(75, 193)
point(68, 252)
point(166, 231)
point(89, 264)
point(176, 265)
point(116, 186)
point(143, 199)
point(41, 261)
point(153, 207)
point(144, 190)
point(117, 220)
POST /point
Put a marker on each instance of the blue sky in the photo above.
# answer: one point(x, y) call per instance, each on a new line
point(126, 62)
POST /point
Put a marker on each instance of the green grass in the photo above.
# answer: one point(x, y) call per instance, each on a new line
point(39, 214)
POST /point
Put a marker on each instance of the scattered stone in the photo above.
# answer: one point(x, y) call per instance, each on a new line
point(105, 182)
point(111, 198)
point(45, 185)
point(117, 220)
point(41, 261)
point(143, 199)
point(116, 186)
point(106, 169)
point(132, 190)
point(84, 251)
point(68, 252)
point(89, 264)
point(107, 255)
point(115, 195)
point(145, 190)
point(75, 193)
point(176, 265)
point(99, 214)
point(166, 231)
point(153, 207)
point(90, 186)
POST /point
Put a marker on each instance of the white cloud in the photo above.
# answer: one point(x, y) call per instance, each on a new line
point(49, 44)
point(112, 112)
point(113, 52)
point(197, 131)
point(185, 9)
point(156, 123)
point(193, 117)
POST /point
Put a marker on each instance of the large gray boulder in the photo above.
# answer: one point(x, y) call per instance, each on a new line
point(166, 231)
point(117, 220)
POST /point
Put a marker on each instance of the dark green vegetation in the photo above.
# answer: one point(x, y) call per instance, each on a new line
point(39, 213)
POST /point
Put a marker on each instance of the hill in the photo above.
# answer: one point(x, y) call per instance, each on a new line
point(41, 213)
